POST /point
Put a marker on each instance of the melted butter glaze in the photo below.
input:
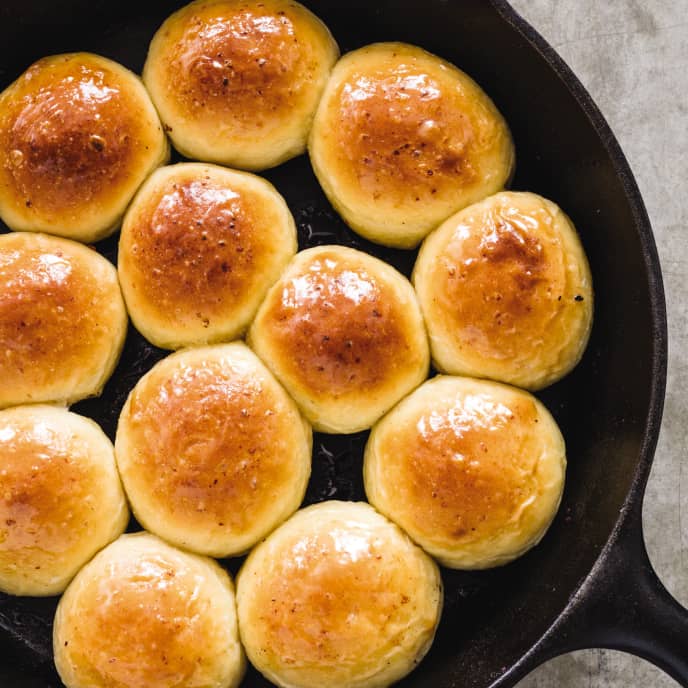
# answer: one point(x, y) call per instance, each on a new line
point(49, 310)
point(340, 594)
point(165, 600)
point(329, 596)
point(197, 247)
point(47, 488)
point(501, 281)
point(210, 442)
point(232, 55)
point(68, 133)
point(338, 328)
point(466, 469)
point(403, 129)
point(161, 603)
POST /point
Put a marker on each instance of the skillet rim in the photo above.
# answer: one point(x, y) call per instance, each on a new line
point(659, 353)
point(546, 646)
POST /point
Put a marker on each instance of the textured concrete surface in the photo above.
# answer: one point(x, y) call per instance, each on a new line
point(632, 55)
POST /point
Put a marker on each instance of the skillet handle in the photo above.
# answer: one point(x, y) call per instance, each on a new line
point(624, 606)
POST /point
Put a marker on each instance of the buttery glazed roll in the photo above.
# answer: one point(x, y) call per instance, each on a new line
point(60, 497)
point(200, 246)
point(238, 81)
point(343, 333)
point(78, 134)
point(403, 139)
point(337, 597)
point(506, 291)
point(472, 470)
point(212, 452)
point(143, 613)
point(62, 320)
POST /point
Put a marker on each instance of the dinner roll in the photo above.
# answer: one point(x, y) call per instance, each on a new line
point(237, 81)
point(78, 134)
point(200, 246)
point(343, 333)
point(472, 470)
point(212, 452)
point(62, 320)
point(506, 291)
point(403, 139)
point(60, 497)
point(337, 597)
point(143, 613)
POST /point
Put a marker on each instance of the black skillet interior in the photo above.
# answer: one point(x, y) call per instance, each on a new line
point(491, 618)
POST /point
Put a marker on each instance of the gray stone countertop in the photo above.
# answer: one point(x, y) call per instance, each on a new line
point(632, 55)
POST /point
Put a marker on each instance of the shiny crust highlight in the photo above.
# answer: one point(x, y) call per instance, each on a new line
point(212, 452)
point(78, 135)
point(237, 81)
point(60, 498)
point(199, 248)
point(506, 291)
point(143, 613)
point(62, 320)
point(403, 139)
point(337, 597)
point(472, 470)
point(343, 333)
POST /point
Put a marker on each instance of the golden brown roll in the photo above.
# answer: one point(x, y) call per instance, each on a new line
point(60, 497)
point(343, 333)
point(506, 291)
point(199, 248)
point(402, 139)
point(212, 452)
point(237, 81)
point(337, 597)
point(143, 613)
point(78, 134)
point(62, 320)
point(472, 470)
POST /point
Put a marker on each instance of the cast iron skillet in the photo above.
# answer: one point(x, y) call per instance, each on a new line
point(590, 582)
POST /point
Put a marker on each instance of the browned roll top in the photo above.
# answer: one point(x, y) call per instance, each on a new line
point(144, 614)
point(517, 277)
point(153, 602)
point(44, 311)
point(69, 134)
point(466, 471)
point(222, 63)
point(60, 497)
point(338, 329)
point(196, 245)
point(41, 482)
point(313, 588)
point(206, 436)
point(337, 596)
point(406, 134)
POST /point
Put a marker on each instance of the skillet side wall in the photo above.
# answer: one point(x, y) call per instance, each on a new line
point(491, 618)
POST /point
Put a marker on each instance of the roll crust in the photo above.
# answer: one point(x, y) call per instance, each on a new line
point(60, 498)
point(143, 613)
point(62, 320)
point(78, 135)
point(403, 139)
point(472, 470)
point(506, 291)
point(199, 248)
point(237, 81)
point(343, 333)
point(337, 596)
point(212, 452)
